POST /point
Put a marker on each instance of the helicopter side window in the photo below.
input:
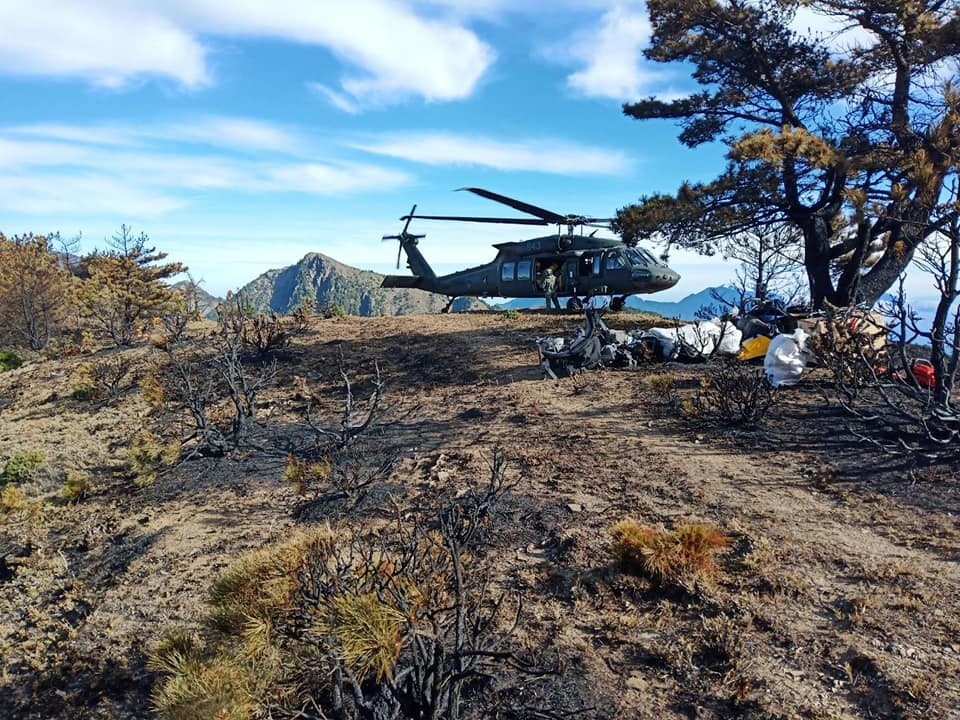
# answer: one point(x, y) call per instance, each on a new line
point(523, 269)
point(506, 272)
point(615, 261)
point(590, 264)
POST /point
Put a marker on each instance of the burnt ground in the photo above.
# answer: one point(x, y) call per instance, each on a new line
point(838, 597)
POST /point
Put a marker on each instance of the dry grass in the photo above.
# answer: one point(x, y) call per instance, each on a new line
point(668, 557)
point(240, 664)
point(149, 455)
point(76, 486)
point(260, 584)
point(13, 501)
point(301, 475)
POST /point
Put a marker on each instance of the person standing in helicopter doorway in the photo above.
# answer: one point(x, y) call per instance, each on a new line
point(548, 284)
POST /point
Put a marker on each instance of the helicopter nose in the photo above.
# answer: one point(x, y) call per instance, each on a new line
point(666, 278)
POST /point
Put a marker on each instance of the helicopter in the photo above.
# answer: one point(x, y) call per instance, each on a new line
point(586, 266)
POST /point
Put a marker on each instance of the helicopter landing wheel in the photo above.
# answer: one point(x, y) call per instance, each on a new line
point(616, 303)
point(574, 303)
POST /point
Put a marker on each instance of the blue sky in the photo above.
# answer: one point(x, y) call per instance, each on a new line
point(241, 135)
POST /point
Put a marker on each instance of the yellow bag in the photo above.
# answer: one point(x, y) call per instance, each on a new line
point(755, 347)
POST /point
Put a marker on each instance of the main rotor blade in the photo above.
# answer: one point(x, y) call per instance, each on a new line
point(504, 221)
point(409, 218)
point(548, 215)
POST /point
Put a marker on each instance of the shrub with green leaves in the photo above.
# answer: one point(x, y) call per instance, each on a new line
point(9, 360)
point(21, 466)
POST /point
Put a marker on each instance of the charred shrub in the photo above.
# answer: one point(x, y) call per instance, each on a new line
point(850, 345)
point(335, 465)
point(208, 389)
point(329, 310)
point(102, 379)
point(731, 393)
point(898, 396)
point(394, 622)
point(260, 333)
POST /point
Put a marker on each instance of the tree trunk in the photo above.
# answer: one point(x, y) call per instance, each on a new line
point(816, 260)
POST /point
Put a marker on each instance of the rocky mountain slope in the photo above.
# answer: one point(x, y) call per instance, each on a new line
point(321, 279)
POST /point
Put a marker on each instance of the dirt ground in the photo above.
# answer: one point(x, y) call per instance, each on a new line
point(838, 597)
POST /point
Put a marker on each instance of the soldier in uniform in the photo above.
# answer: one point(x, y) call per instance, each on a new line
point(548, 283)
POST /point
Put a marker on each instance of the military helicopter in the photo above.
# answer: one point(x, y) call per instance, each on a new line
point(586, 266)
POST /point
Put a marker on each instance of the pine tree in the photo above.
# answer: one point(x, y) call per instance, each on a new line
point(36, 291)
point(124, 285)
point(852, 145)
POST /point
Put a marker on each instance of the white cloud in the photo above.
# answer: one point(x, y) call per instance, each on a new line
point(83, 192)
point(840, 34)
point(548, 156)
point(388, 51)
point(108, 43)
point(152, 170)
point(614, 66)
point(337, 99)
point(230, 132)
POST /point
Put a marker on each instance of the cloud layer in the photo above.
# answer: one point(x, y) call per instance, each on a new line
point(151, 170)
point(538, 155)
point(389, 51)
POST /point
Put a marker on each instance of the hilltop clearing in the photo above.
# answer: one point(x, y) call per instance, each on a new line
point(837, 596)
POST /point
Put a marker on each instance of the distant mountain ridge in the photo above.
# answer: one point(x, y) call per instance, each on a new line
point(685, 309)
point(321, 279)
point(206, 303)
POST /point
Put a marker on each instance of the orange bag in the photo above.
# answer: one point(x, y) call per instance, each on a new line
point(922, 370)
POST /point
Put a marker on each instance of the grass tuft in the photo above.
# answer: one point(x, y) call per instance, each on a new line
point(148, 455)
point(301, 475)
point(77, 486)
point(668, 557)
point(235, 669)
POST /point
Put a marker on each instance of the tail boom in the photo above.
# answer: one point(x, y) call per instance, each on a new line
point(402, 281)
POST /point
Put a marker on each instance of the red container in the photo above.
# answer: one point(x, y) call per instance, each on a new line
point(923, 372)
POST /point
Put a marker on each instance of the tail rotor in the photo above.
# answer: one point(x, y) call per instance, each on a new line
point(404, 236)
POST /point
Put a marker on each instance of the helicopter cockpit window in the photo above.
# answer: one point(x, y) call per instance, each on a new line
point(639, 256)
point(614, 261)
point(506, 272)
point(523, 269)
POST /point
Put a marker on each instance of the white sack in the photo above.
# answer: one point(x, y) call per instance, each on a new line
point(699, 338)
point(786, 358)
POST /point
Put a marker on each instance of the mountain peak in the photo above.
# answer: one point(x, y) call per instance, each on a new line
point(321, 279)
